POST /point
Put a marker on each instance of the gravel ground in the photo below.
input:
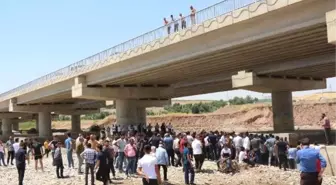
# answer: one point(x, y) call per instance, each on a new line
point(262, 175)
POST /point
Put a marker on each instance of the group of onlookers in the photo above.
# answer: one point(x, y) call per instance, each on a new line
point(181, 21)
point(146, 150)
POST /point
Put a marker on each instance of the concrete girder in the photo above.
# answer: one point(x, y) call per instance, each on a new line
point(50, 107)
point(331, 26)
point(152, 103)
point(14, 115)
point(107, 93)
point(250, 81)
point(78, 111)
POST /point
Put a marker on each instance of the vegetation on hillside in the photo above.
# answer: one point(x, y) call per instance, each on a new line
point(199, 108)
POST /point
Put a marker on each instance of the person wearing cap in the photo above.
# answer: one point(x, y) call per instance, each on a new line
point(307, 158)
point(162, 160)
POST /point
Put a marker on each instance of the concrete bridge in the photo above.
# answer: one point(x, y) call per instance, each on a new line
point(270, 46)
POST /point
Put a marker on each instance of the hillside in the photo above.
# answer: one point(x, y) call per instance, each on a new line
point(256, 117)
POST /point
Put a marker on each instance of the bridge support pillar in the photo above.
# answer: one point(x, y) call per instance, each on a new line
point(281, 89)
point(75, 123)
point(282, 106)
point(133, 112)
point(126, 112)
point(6, 127)
point(15, 125)
point(37, 125)
point(44, 123)
point(331, 26)
point(141, 115)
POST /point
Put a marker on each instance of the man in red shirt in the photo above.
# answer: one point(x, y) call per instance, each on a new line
point(326, 125)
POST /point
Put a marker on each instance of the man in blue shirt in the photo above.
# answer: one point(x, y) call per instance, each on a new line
point(187, 165)
point(68, 146)
point(168, 143)
point(20, 159)
point(162, 160)
point(292, 156)
point(307, 157)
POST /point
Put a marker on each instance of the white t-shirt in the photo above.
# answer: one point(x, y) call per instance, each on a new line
point(16, 147)
point(147, 163)
point(197, 147)
point(206, 142)
point(226, 151)
point(190, 139)
point(176, 143)
point(246, 143)
point(222, 140)
point(241, 156)
point(238, 141)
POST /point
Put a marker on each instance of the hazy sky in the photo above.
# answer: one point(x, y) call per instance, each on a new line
point(38, 36)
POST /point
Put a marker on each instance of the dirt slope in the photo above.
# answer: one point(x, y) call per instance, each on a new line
point(255, 117)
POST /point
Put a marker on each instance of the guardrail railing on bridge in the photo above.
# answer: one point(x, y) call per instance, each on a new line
point(213, 11)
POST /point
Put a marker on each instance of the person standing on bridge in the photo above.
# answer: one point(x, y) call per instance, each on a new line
point(193, 15)
point(326, 125)
point(183, 22)
point(176, 24)
point(166, 23)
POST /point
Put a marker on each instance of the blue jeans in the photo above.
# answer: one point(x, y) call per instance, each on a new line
point(70, 159)
point(258, 157)
point(120, 160)
point(130, 165)
point(189, 169)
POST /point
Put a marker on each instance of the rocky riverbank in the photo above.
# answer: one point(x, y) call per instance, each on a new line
point(262, 175)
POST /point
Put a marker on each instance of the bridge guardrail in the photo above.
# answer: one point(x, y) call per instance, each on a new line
point(82, 66)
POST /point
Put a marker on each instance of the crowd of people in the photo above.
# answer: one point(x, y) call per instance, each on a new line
point(144, 151)
point(181, 21)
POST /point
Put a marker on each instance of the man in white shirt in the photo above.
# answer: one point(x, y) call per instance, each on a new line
point(207, 149)
point(189, 138)
point(148, 168)
point(16, 145)
point(197, 151)
point(176, 148)
point(246, 142)
point(238, 143)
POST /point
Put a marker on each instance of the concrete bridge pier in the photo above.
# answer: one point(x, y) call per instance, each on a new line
point(75, 123)
point(281, 89)
point(44, 124)
point(15, 125)
point(133, 112)
point(6, 127)
point(126, 113)
point(282, 106)
point(141, 115)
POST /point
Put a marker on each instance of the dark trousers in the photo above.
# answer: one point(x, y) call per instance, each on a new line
point(188, 169)
point(309, 178)
point(21, 171)
point(199, 159)
point(164, 170)
point(283, 161)
point(59, 170)
point(327, 136)
point(10, 155)
point(213, 152)
point(291, 163)
point(207, 152)
point(151, 182)
point(111, 165)
point(87, 168)
point(170, 153)
point(179, 157)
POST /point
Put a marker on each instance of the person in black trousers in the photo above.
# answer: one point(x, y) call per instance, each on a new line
point(20, 159)
point(58, 161)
